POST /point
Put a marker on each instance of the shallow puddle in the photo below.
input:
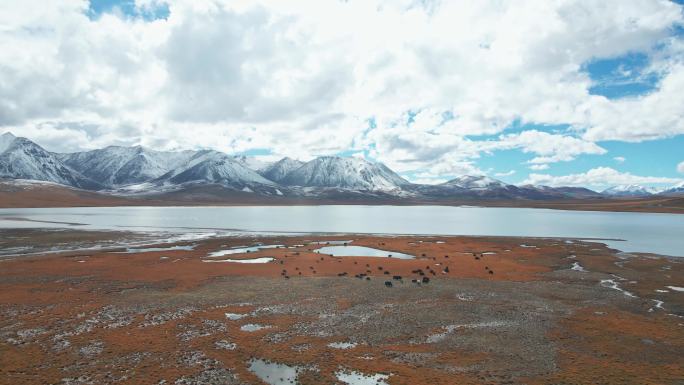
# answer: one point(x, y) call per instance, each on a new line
point(357, 378)
point(241, 250)
point(361, 251)
point(252, 260)
point(273, 373)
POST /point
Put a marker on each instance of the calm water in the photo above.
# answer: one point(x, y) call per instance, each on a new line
point(643, 232)
point(361, 251)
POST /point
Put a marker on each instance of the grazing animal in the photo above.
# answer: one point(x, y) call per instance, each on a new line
point(367, 278)
point(491, 271)
point(446, 269)
point(387, 273)
point(397, 277)
point(426, 279)
point(388, 283)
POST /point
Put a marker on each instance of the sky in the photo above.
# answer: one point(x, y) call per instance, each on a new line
point(553, 92)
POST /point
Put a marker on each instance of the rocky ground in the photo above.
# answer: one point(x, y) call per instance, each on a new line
point(491, 311)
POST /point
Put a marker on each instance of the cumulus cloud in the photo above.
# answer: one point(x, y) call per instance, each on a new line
point(549, 148)
point(411, 82)
point(597, 177)
point(619, 159)
point(680, 167)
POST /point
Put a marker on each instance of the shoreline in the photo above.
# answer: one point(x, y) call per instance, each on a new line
point(54, 196)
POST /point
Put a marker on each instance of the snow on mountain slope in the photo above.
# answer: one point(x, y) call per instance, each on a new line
point(278, 170)
point(6, 140)
point(348, 173)
point(564, 191)
point(478, 182)
point(677, 189)
point(214, 167)
point(631, 190)
point(252, 162)
point(119, 166)
point(20, 158)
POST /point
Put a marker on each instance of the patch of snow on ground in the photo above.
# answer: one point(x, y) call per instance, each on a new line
point(235, 316)
point(658, 305)
point(253, 327)
point(676, 288)
point(577, 267)
point(611, 284)
point(342, 345)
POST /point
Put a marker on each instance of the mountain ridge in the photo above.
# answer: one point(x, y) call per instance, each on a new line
point(139, 170)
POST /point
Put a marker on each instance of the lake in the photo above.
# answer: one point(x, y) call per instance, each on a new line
point(641, 232)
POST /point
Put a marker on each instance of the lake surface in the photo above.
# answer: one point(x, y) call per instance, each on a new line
point(642, 232)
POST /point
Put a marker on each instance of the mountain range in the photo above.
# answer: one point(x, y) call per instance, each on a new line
point(137, 170)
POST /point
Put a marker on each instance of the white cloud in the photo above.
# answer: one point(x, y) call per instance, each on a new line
point(550, 148)
point(680, 167)
point(539, 167)
point(597, 177)
point(303, 78)
point(503, 174)
point(620, 159)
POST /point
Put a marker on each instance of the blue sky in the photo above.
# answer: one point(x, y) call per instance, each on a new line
point(525, 91)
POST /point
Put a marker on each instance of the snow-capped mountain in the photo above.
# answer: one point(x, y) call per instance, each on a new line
point(475, 182)
point(253, 163)
point(20, 158)
point(477, 186)
point(278, 170)
point(347, 173)
point(138, 170)
point(564, 192)
point(213, 167)
point(677, 189)
point(631, 190)
point(120, 166)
